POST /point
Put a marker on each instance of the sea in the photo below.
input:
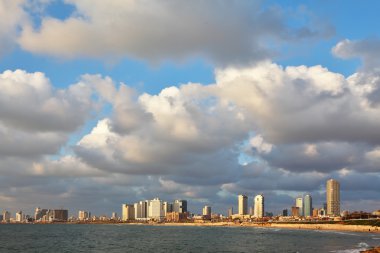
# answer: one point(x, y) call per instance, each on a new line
point(117, 238)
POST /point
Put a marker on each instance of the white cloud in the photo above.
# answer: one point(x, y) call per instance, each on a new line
point(367, 50)
point(311, 150)
point(189, 137)
point(29, 102)
point(260, 145)
point(221, 31)
point(12, 16)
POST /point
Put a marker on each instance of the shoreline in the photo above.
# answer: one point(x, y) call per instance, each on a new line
point(324, 227)
point(292, 226)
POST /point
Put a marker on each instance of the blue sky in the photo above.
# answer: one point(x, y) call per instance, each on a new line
point(166, 98)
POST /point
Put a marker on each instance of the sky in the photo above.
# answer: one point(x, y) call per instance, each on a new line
point(111, 102)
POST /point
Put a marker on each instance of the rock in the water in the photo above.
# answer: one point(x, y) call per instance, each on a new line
point(374, 250)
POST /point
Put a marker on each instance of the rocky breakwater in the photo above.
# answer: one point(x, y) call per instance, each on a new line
point(374, 250)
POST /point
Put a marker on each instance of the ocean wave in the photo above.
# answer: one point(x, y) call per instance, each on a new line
point(360, 247)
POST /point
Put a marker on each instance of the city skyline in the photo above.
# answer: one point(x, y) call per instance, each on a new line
point(106, 102)
point(157, 208)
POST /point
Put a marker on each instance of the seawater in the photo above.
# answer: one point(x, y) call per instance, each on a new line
point(140, 238)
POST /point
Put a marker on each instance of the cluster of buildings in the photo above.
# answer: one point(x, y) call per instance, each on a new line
point(156, 210)
point(302, 208)
point(331, 208)
point(256, 211)
point(40, 215)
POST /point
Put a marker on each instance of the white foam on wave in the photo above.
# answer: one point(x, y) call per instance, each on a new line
point(336, 232)
point(360, 247)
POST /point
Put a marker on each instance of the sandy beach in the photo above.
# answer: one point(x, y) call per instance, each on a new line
point(337, 227)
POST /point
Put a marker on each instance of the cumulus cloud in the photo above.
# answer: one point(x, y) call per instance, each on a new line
point(300, 124)
point(260, 145)
point(37, 120)
point(177, 133)
point(221, 31)
point(190, 136)
point(300, 104)
point(29, 102)
point(12, 16)
point(367, 50)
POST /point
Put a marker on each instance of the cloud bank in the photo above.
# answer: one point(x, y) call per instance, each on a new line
point(224, 32)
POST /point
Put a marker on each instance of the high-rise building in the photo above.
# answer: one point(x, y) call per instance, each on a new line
point(83, 215)
point(206, 210)
point(168, 207)
point(307, 205)
point(128, 212)
point(19, 216)
point(242, 205)
point(141, 210)
point(285, 212)
point(39, 213)
point(180, 206)
point(299, 204)
point(333, 197)
point(6, 216)
point(259, 206)
point(114, 216)
point(156, 209)
point(60, 215)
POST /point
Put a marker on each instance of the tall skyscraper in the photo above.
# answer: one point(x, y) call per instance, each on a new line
point(299, 204)
point(307, 205)
point(333, 197)
point(259, 206)
point(242, 205)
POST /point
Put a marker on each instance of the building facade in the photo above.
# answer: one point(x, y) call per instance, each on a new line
point(242, 205)
point(141, 210)
point(19, 216)
point(299, 204)
point(6, 216)
point(83, 215)
point(60, 215)
point(206, 210)
point(168, 207)
point(307, 205)
point(180, 206)
point(156, 209)
point(128, 212)
point(259, 206)
point(333, 197)
point(295, 211)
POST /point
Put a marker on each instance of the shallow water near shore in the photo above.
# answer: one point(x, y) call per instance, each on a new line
point(132, 238)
